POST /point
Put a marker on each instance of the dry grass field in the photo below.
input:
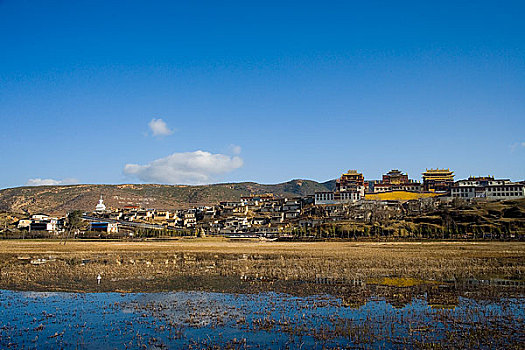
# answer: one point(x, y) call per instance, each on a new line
point(164, 265)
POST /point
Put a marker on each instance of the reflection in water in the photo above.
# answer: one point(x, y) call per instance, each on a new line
point(382, 317)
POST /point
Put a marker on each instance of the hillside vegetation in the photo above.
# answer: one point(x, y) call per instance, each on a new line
point(60, 199)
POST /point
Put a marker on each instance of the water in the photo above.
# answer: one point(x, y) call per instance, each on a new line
point(260, 320)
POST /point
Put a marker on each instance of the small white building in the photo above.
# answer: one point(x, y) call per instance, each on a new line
point(487, 187)
point(109, 227)
point(39, 217)
point(324, 198)
point(44, 225)
point(161, 215)
point(339, 197)
point(190, 220)
point(40, 222)
point(24, 223)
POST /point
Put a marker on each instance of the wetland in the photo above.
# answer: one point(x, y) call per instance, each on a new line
point(214, 293)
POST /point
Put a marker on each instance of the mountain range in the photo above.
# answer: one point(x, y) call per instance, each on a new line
point(62, 198)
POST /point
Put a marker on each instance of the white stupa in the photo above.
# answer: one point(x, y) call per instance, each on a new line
point(100, 206)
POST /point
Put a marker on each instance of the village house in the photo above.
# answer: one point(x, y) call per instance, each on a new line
point(240, 210)
point(258, 221)
point(271, 206)
point(40, 217)
point(216, 225)
point(226, 210)
point(24, 224)
point(291, 214)
point(41, 222)
point(44, 225)
point(254, 207)
point(117, 215)
point(129, 216)
point(104, 226)
point(230, 203)
point(292, 204)
point(161, 215)
point(190, 219)
point(277, 218)
point(144, 214)
point(208, 213)
point(235, 225)
point(487, 187)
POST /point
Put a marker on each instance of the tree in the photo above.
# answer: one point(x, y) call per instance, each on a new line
point(73, 222)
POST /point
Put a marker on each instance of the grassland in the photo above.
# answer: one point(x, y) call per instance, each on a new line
point(168, 265)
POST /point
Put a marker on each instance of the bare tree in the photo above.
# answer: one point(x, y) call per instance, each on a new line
point(73, 222)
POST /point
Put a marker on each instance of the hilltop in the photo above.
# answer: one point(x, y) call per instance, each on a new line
point(60, 199)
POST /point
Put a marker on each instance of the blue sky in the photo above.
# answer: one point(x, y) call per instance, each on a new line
point(266, 92)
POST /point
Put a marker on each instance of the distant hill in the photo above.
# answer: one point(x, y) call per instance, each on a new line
point(60, 199)
point(330, 185)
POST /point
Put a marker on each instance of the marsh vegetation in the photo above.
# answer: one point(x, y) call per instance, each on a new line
point(215, 293)
point(156, 266)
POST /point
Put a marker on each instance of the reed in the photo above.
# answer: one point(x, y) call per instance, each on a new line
point(147, 266)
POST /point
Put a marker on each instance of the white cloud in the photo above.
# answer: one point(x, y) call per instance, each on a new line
point(193, 168)
point(50, 182)
point(235, 149)
point(516, 145)
point(159, 127)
